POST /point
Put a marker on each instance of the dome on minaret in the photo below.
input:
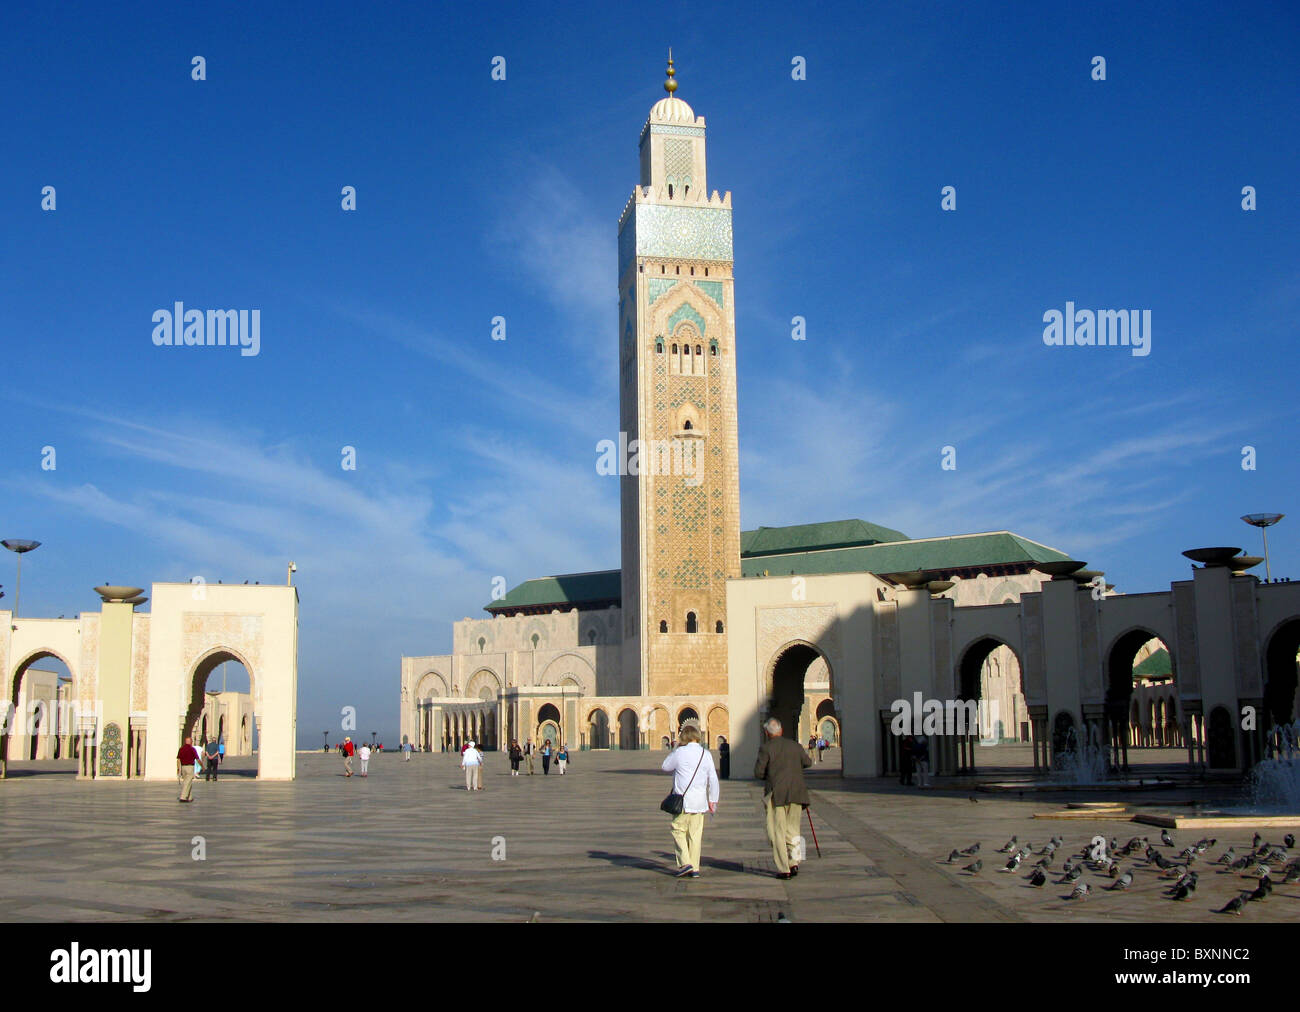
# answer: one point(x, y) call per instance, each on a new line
point(672, 110)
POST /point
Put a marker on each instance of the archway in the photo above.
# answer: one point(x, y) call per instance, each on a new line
point(222, 695)
point(1221, 749)
point(1281, 659)
point(1136, 657)
point(598, 729)
point(988, 675)
point(687, 713)
point(719, 725)
point(788, 671)
point(43, 722)
point(828, 723)
point(548, 726)
point(628, 738)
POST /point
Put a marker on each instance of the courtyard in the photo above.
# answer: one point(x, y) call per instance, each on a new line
point(407, 843)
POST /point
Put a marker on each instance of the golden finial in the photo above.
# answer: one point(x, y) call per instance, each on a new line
point(670, 85)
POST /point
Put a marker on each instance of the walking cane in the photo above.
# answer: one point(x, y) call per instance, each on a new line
point(808, 812)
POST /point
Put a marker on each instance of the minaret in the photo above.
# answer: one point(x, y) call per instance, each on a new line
point(681, 513)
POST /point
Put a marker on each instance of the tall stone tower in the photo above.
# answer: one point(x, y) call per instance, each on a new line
point(681, 512)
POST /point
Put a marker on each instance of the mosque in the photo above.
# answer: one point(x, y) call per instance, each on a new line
point(825, 624)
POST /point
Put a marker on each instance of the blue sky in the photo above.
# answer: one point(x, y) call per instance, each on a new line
point(478, 198)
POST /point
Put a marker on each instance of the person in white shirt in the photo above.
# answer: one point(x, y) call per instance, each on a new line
point(471, 761)
point(695, 778)
point(365, 758)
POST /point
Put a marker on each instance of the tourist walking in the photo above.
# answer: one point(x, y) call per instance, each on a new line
point(812, 746)
point(406, 748)
point(695, 779)
point(471, 761)
point(921, 759)
point(211, 754)
point(365, 758)
point(546, 758)
point(780, 766)
point(562, 758)
point(221, 750)
point(821, 747)
point(347, 750)
point(724, 759)
point(186, 759)
point(528, 754)
point(516, 757)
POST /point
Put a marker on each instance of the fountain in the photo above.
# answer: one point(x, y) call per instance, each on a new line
point(1080, 764)
point(1275, 782)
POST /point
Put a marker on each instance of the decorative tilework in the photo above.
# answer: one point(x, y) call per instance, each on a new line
point(687, 233)
point(685, 312)
point(110, 752)
point(679, 162)
point(658, 286)
point(679, 131)
point(714, 290)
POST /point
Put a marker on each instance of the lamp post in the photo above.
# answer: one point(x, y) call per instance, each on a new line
point(325, 741)
point(288, 578)
point(1264, 521)
point(20, 547)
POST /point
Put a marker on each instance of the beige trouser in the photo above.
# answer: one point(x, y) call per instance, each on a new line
point(473, 781)
point(688, 831)
point(529, 757)
point(187, 781)
point(782, 828)
point(347, 764)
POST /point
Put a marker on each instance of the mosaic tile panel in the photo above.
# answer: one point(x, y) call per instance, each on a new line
point(685, 312)
point(714, 290)
point(658, 286)
point(687, 233)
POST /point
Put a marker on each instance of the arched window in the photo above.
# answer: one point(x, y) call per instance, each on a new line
point(687, 425)
point(674, 349)
point(536, 639)
point(659, 346)
point(663, 625)
point(690, 622)
point(481, 644)
point(699, 350)
point(591, 636)
point(718, 626)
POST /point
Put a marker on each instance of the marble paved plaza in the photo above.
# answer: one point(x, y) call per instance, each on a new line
point(408, 843)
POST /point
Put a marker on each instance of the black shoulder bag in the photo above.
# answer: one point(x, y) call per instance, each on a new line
point(674, 802)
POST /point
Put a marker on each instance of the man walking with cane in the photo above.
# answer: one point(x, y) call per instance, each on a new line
point(780, 765)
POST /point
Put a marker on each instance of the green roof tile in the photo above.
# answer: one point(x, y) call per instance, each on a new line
point(1158, 665)
point(812, 537)
point(572, 589)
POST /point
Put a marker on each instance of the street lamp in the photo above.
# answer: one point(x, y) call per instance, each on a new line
point(325, 741)
point(1261, 520)
point(20, 547)
point(288, 579)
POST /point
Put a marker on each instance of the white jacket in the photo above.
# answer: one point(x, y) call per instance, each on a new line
point(471, 757)
point(681, 762)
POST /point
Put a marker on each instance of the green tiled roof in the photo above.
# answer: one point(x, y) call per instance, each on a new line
point(963, 551)
point(1157, 665)
point(575, 588)
point(845, 546)
point(811, 537)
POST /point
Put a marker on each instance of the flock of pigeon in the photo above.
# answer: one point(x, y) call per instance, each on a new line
point(1102, 857)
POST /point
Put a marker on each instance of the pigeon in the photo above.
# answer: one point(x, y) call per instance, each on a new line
point(1289, 841)
point(1121, 883)
point(1181, 891)
point(1008, 847)
point(1160, 861)
point(1256, 841)
point(972, 850)
point(973, 800)
point(1048, 848)
point(1046, 862)
point(1262, 871)
point(1168, 840)
point(1114, 844)
point(1080, 891)
point(1135, 843)
point(1037, 878)
point(1233, 906)
point(1242, 863)
point(975, 868)
point(954, 856)
point(1227, 857)
point(1261, 891)
point(1113, 871)
point(1070, 876)
point(1013, 864)
point(1292, 875)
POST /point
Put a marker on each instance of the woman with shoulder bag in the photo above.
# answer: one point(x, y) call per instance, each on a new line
point(516, 757)
point(695, 791)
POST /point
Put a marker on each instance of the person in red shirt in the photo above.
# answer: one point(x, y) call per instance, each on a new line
point(348, 750)
point(185, 760)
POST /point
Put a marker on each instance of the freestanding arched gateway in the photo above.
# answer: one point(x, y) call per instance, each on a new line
point(137, 678)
